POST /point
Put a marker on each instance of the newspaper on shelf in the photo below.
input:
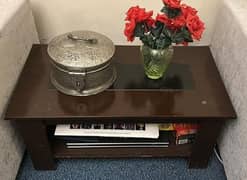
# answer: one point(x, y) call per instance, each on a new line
point(135, 130)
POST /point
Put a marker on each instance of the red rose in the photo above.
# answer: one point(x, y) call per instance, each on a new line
point(138, 14)
point(186, 10)
point(163, 18)
point(129, 30)
point(193, 22)
point(144, 16)
point(174, 23)
point(178, 22)
point(150, 22)
point(175, 4)
point(195, 26)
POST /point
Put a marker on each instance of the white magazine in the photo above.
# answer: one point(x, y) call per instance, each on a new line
point(135, 130)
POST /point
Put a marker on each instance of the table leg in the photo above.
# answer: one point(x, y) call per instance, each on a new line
point(204, 144)
point(35, 137)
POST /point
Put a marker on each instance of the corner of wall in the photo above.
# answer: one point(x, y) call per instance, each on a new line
point(18, 33)
point(228, 48)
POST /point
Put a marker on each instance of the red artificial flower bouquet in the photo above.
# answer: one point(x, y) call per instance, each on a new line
point(178, 23)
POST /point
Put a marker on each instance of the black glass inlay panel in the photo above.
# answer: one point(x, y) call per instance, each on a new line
point(131, 76)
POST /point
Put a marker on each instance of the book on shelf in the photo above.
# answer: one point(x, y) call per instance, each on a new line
point(105, 142)
point(185, 139)
point(130, 130)
point(95, 135)
point(118, 146)
point(166, 127)
point(185, 132)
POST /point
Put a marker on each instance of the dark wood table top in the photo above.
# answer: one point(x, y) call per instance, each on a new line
point(192, 90)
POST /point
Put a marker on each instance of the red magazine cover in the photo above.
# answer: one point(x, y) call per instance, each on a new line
point(185, 128)
point(185, 133)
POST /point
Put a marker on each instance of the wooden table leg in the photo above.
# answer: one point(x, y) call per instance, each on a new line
point(204, 144)
point(35, 137)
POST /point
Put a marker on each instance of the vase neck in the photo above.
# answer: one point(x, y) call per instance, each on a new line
point(151, 49)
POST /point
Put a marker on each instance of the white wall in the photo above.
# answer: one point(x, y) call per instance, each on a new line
point(229, 49)
point(17, 33)
point(54, 17)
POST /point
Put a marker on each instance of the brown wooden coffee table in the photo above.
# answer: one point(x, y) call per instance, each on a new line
point(192, 92)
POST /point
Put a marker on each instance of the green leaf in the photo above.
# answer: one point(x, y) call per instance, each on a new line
point(144, 40)
point(164, 10)
point(182, 35)
point(156, 31)
point(171, 13)
point(148, 40)
point(178, 37)
point(187, 35)
point(139, 30)
point(167, 32)
point(162, 43)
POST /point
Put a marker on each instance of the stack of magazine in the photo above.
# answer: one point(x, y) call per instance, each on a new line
point(110, 135)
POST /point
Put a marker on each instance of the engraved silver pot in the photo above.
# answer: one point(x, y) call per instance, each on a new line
point(81, 63)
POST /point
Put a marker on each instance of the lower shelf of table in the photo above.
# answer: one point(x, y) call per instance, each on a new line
point(60, 151)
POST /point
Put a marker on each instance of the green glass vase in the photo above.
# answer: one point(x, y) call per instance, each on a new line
point(156, 61)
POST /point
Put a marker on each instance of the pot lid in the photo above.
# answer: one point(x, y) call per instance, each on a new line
point(81, 49)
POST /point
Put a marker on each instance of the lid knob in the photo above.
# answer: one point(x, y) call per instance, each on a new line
point(76, 38)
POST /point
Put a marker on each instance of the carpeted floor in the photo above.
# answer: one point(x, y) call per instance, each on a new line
point(136, 169)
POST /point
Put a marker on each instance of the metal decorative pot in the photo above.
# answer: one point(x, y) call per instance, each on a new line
point(81, 63)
